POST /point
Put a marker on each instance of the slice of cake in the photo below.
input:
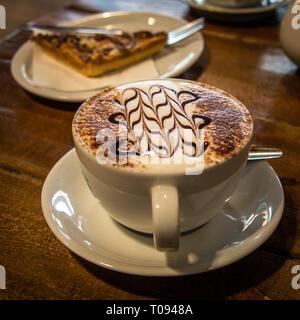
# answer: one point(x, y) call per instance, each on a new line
point(98, 54)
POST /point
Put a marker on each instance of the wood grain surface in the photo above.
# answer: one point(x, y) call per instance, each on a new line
point(245, 60)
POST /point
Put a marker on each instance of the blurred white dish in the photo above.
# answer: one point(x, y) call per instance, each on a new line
point(235, 14)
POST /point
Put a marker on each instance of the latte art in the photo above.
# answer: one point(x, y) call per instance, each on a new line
point(163, 119)
point(159, 121)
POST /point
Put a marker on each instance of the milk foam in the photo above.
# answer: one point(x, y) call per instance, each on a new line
point(161, 122)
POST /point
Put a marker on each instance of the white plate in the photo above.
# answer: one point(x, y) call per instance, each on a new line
point(81, 224)
point(170, 62)
point(235, 14)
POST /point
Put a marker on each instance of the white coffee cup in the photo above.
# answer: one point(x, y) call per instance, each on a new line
point(290, 32)
point(163, 201)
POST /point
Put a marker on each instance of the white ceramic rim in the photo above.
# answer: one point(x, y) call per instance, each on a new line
point(227, 256)
point(216, 9)
point(18, 64)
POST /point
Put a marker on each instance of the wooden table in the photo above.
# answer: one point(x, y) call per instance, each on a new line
point(35, 133)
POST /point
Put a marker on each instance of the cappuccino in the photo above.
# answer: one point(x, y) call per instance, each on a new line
point(149, 123)
point(162, 156)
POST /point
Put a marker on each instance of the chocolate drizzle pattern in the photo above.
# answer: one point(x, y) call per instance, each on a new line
point(159, 112)
point(159, 122)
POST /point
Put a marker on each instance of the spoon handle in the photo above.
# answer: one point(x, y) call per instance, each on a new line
point(264, 153)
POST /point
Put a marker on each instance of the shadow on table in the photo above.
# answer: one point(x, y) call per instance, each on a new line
point(60, 105)
point(217, 284)
point(290, 80)
point(284, 236)
point(195, 71)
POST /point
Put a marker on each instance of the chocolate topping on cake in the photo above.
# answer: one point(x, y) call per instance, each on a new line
point(97, 47)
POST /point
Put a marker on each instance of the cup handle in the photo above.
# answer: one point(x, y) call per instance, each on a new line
point(165, 216)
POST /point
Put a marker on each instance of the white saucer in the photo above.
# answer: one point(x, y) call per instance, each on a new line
point(206, 8)
point(170, 62)
point(79, 222)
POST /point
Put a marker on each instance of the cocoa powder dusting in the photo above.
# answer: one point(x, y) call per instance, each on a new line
point(228, 130)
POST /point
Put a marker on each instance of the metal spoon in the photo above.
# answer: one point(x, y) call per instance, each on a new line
point(264, 153)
